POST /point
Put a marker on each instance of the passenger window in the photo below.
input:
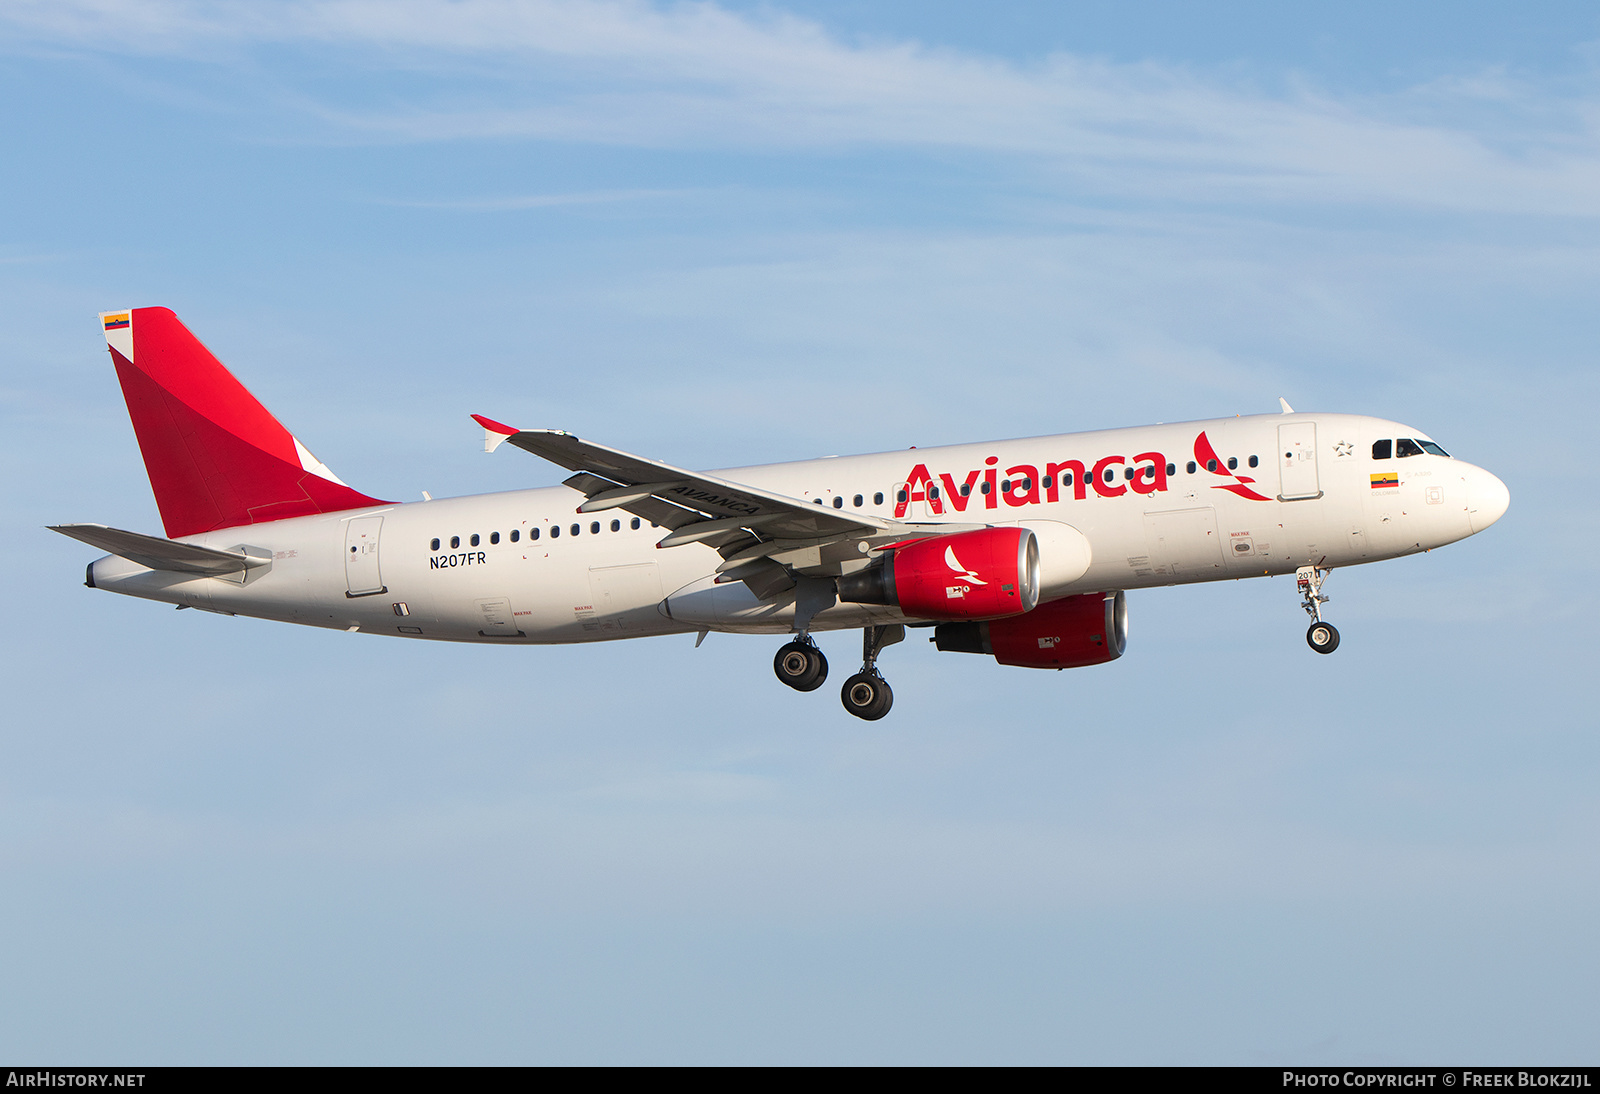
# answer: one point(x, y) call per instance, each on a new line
point(634, 524)
point(1255, 460)
point(1405, 446)
point(1233, 463)
point(1172, 469)
point(966, 489)
point(877, 499)
point(857, 500)
point(1189, 467)
point(1382, 450)
point(533, 534)
point(455, 541)
point(1005, 486)
point(515, 535)
point(594, 528)
point(494, 537)
point(817, 501)
point(1027, 483)
point(1211, 465)
point(1110, 474)
point(984, 488)
point(1045, 482)
point(474, 540)
point(1127, 473)
point(576, 528)
point(555, 531)
point(838, 503)
point(933, 492)
point(616, 526)
point(900, 497)
point(434, 546)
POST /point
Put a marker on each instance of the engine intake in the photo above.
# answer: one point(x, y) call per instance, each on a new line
point(1089, 629)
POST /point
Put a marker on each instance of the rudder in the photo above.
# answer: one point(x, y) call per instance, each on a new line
point(216, 457)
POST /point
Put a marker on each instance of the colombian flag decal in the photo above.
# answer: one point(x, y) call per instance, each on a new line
point(1387, 478)
point(116, 322)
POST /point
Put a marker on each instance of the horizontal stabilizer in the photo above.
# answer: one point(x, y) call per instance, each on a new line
point(163, 554)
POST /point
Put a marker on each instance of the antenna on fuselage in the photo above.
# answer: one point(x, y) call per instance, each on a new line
point(1287, 409)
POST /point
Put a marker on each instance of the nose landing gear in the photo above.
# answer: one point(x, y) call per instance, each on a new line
point(1322, 637)
point(867, 694)
point(801, 665)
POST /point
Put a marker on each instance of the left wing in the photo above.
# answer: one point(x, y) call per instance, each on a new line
point(764, 537)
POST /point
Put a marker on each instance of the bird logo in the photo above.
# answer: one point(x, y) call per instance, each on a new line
point(954, 563)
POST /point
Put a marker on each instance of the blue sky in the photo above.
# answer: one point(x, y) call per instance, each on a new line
point(725, 234)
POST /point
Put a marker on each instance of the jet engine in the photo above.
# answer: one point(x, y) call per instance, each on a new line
point(989, 573)
point(1089, 629)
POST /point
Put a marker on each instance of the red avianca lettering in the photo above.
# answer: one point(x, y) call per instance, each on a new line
point(1023, 485)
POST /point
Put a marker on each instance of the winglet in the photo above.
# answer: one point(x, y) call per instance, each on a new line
point(494, 433)
point(1287, 409)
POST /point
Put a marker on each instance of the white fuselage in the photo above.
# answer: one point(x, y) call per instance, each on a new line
point(1310, 499)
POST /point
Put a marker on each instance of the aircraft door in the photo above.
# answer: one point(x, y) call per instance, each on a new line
point(1297, 461)
point(497, 618)
point(625, 597)
point(1184, 543)
point(361, 574)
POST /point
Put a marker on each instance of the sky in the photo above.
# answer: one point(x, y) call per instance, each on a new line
point(724, 234)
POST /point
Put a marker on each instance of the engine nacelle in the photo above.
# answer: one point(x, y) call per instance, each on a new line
point(1089, 629)
point(989, 573)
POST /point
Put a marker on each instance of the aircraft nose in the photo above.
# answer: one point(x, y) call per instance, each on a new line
point(1487, 500)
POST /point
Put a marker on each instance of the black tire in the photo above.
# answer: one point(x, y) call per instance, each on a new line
point(867, 696)
point(800, 666)
point(1323, 637)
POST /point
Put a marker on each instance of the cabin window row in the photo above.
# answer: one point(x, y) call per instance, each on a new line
point(858, 501)
point(515, 534)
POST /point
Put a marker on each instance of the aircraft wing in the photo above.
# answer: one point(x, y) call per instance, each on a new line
point(162, 554)
point(764, 537)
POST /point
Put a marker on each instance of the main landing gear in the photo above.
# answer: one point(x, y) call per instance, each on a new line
point(1322, 637)
point(867, 694)
point(801, 665)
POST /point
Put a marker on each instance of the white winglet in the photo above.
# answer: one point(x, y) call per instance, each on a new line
point(494, 433)
point(1287, 409)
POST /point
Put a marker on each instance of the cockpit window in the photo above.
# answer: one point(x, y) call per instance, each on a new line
point(1432, 449)
point(1405, 446)
point(1382, 450)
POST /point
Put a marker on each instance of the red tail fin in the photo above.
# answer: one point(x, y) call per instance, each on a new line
point(217, 458)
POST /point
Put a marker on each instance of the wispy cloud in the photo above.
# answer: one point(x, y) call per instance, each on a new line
point(516, 202)
point(695, 74)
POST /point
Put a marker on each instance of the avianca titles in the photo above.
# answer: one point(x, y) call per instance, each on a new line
point(1021, 549)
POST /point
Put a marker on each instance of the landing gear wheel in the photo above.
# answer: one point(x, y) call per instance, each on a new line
point(1322, 637)
point(801, 666)
point(867, 695)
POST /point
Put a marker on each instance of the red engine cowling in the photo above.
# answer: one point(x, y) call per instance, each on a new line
point(1090, 629)
point(989, 573)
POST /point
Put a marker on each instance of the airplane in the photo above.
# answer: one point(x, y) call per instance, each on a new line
point(1022, 550)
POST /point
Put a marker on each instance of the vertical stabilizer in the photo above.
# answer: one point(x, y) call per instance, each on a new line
point(216, 457)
